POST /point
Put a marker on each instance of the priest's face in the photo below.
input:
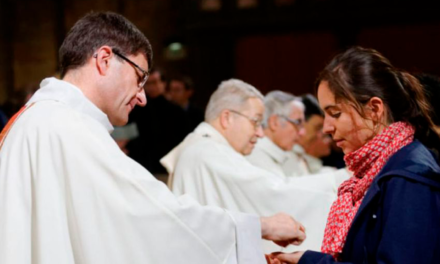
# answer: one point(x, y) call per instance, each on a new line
point(313, 128)
point(314, 141)
point(124, 91)
point(245, 128)
point(290, 128)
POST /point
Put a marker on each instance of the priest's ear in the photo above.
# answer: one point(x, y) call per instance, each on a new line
point(101, 59)
point(225, 118)
point(273, 122)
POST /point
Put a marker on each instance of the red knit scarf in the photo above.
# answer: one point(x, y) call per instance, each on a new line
point(365, 163)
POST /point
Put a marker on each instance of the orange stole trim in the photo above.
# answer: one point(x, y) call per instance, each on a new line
point(8, 126)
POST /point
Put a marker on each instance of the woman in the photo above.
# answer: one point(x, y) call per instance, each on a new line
point(389, 211)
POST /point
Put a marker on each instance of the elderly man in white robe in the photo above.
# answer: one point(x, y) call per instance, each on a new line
point(283, 122)
point(210, 165)
point(70, 195)
point(284, 129)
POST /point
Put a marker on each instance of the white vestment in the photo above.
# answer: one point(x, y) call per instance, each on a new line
point(314, 165)
point(209, 169)
point(267, 155)
point(69, 195)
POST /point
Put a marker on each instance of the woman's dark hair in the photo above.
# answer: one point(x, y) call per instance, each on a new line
point(358, 74)
point(97, 29)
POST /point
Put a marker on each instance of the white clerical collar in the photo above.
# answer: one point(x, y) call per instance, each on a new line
point(67, 93)
point(266, 145)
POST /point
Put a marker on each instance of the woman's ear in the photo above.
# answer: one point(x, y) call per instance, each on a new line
point(376, 110)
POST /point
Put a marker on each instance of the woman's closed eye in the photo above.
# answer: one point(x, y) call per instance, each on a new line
point(335, 114)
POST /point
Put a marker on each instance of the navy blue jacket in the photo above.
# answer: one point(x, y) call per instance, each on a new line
point(399, 219)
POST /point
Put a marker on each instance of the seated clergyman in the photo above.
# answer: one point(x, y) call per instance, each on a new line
point(283, 125)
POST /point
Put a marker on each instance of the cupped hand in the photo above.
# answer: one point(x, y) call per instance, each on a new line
point(285, 258)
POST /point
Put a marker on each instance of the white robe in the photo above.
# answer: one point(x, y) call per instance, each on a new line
point(209, 169)
point(296, 163)
point(69, 195)
point(267, 155)
point(313, 165)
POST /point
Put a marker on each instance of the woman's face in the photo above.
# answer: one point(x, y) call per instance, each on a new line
point(347, 127)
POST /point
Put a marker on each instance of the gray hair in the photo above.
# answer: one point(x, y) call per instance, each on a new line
point(230, 94)
point(279, 103)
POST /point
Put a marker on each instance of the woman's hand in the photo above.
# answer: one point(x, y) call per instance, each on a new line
point(284, 258)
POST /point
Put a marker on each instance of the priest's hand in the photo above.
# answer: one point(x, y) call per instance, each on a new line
point(282, 229)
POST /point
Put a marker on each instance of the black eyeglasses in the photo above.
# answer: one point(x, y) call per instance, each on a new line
point(256, 122)
point(145, 73)
point(298, 123)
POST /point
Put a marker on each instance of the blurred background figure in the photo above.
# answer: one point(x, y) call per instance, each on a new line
point(18, 98)
point(123, 135)
point(15, 101)
point(180, 89)
point(431, 84)
point(161, 126)
point(283, 125)
point(314, 144)
point(3, 119)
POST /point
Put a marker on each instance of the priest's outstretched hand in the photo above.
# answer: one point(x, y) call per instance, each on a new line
point(282, 229)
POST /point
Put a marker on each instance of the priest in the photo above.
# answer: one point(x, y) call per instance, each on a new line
point(283, 125)
point(68, 194)
point(314, 145)
point(286, 125)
